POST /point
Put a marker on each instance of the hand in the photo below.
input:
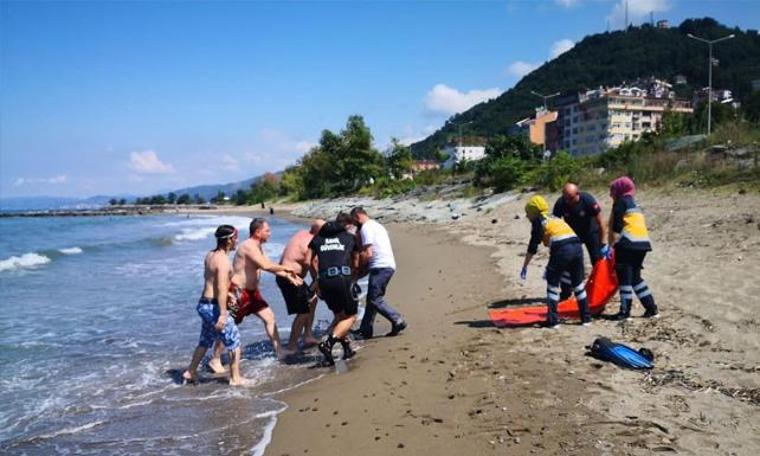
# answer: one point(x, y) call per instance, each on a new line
point(221, 322)
point(524, 273)
point(606, 251)
point(295, 280)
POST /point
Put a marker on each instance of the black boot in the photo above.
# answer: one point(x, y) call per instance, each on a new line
point(348, 352)
point(326, 348)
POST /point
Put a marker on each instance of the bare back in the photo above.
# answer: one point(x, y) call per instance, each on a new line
point(245, 272)
point(297, 254)
point(216, 266)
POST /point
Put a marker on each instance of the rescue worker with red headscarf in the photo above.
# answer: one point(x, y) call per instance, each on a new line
point(630, 238)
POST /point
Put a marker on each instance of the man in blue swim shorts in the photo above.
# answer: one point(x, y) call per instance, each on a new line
point(212, 307)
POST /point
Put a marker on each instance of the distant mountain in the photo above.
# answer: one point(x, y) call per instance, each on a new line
point(42, 203)
point(210, 191)
point(610, 59)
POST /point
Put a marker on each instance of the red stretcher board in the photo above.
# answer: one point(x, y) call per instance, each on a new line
point(600, 288)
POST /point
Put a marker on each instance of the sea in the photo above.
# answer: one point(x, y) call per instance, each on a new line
point(98, 320)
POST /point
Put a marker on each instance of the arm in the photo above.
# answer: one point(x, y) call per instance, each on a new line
point(261, 261)
point(602, 227)
point(616, 222)
point(222, 285)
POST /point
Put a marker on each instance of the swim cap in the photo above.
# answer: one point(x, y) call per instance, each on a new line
point(536, 206)
point(622, 186)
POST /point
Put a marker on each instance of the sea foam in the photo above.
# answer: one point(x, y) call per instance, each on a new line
point(27, 260)
point(71, 250)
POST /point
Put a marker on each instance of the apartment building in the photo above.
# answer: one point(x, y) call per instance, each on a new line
point(593, 121)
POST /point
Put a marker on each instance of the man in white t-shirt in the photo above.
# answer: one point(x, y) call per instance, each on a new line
point(377, 253)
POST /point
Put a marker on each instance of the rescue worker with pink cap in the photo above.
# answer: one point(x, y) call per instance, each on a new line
point(630, 238)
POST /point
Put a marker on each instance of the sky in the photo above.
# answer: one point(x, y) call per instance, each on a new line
point(112, 97)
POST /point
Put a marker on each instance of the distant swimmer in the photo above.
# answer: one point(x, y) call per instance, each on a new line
point(630, 238)
point(300, 300)
point(212, 307)
point(377, 255)
point(335, 257)
point(249, 261)
point(565, 255)
point(584, 215)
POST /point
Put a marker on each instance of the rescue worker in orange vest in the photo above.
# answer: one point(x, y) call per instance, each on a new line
point(565, 254)
point(628, 228)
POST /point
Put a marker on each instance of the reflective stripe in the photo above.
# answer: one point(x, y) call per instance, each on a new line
point(566, 280)
point(553, 296)
point(556, 230)
point(634, 226)
point(553, 289)
point(582, 295)
point(561, 237)
point(566, 274)
point(626, 288)
point(644, 294)
point(640, 286)
point(580, 288)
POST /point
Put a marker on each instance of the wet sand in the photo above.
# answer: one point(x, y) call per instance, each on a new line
point(452, 383)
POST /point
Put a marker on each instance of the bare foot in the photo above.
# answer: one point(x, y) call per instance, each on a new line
point(187, 377)
point(242, 381)
point(284, 353)
point(215, 364)
point(309, 342)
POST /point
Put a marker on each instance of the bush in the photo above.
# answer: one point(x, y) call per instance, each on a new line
point(553, 174)
point(503, 173)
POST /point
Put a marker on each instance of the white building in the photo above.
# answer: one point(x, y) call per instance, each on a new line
point(459, 154)
point(597, 120)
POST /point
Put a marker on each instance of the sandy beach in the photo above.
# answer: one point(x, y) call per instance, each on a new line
point(452, 383)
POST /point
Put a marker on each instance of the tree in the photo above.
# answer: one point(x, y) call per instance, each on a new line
point(122, 202)
point(219, 198)
point(398, 160)
point(113, 202)
point(198, 199)
point(265, 188)
point(171, 198)
point(183, 199)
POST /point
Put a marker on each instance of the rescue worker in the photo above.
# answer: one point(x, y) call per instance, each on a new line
point(584, 215)
point(630, 238)
point(565, 254)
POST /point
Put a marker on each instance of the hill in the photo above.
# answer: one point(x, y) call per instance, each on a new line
point(610, 59)
point(211, 190)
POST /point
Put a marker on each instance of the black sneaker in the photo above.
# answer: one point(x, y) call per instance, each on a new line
point(651, 314)
point(621, 316)
point(396, 329)
point(327, 353)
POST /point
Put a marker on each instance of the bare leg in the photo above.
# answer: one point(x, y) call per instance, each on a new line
point(215, 363)
point(295, 331)
point(191, 374)
point(343, 325)
point(235, 378)
point(267, 316)
point(308, 334)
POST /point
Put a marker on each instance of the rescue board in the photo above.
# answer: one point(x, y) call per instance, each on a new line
point(600, 288)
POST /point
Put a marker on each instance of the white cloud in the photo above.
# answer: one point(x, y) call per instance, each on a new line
point(448, 100)
point(560, 47)
point(521, 68)
point(567, 3)
point(55, 180)
point(230, 163)
point(147, 162)
point(304, 146)
point(637, 10)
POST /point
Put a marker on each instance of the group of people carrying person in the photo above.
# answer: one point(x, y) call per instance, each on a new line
point(576, 219)
point(334, 254)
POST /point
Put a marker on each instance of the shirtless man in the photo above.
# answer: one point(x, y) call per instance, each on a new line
point(212, 307)
point(249, 261)
point(300, 300)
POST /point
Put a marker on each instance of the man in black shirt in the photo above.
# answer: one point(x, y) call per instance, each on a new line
point(336, 258)
point(584, 215)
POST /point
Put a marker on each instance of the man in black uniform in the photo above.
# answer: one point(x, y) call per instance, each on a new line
point(336, 258)
point(584, 215)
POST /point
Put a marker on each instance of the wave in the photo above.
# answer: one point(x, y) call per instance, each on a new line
point(27, 260)
point(71, 251)
point(194, 234)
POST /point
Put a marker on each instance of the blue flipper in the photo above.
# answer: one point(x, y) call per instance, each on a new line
point(619, 354)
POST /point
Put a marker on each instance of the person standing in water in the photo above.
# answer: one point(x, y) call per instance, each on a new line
point(300, 300)
point(212, 307)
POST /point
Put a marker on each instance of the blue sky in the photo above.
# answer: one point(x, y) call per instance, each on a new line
point(140, 97)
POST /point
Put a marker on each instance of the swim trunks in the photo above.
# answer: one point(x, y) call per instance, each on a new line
point(208, 310)
point(243, 302)
point(338, 293)
point(296, 297)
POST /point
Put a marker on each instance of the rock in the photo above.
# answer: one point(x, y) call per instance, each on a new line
point(517, 217)
point(455, 216)
point(494, 221)
point(516, 440)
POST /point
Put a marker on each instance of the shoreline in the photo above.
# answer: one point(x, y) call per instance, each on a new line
point(487, 390)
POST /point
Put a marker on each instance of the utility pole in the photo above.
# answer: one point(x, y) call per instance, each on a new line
point(709, 74)
point(545, 97)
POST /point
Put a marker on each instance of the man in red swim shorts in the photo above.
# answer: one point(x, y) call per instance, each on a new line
point(249, 261)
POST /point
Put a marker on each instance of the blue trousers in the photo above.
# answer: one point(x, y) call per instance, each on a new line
point(378, 282)
point(565, 259)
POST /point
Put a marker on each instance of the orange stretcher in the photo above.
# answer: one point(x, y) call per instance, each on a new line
point(600, 288)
